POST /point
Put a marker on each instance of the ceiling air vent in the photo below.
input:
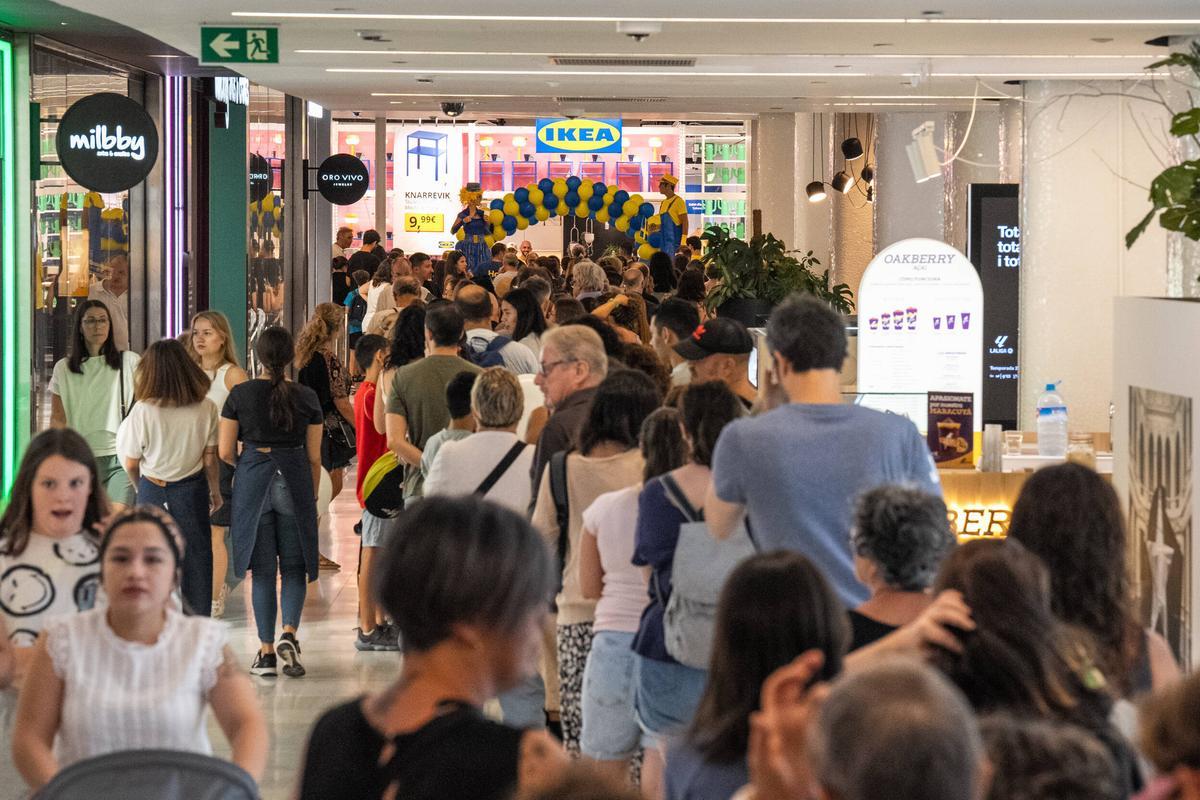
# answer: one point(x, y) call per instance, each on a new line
point(620, 61)
point(591, 101)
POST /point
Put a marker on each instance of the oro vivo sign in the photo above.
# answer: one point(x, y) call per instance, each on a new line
point(579, 135)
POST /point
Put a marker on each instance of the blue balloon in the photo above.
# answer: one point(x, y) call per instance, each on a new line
point(268, 220)
point(595, 203)
point(646, 210)
point(599, 188)
point(546, 185)
point(550, 201)
point(572, 199)
point(496, 205)
point(527, 208)
point(621, 196)
point(635, 223)
point(521, 195)
point(573, 183)
point(509, 223)
point(615, 210)
point(655, 240)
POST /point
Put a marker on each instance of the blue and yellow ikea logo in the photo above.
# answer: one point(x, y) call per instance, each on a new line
point(578, 135)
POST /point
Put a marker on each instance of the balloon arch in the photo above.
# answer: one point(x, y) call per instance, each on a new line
point(583, 198)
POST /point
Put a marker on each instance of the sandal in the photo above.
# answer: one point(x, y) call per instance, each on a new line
point(328, 563)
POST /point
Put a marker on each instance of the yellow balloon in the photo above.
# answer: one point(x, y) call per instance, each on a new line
point(522, 223)
point(542, 214)
point(645, 251)
point(460, 234)
point(488, 240)
point(582, 210)
point(586, 190)
point(609, 196)
point(268, 202)
point(495, 216)
point(499, 233)
point(602, 216)
point(629, 208)
point(509, 197)
point(640, 237)
point(622, 224)
point(536, 196)
point(636, 199)
point(511, 208)
point(560, 188)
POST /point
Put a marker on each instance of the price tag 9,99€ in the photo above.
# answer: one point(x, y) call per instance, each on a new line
point(424, 223)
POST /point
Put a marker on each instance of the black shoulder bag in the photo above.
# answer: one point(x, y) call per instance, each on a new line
point(498, 471)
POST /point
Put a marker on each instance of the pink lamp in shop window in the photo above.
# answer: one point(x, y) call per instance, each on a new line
point(655, 143)
point(352, 142)
point(486, 143)
point(519, 142)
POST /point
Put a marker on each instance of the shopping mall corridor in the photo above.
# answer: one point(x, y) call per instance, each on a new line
point(336, 671)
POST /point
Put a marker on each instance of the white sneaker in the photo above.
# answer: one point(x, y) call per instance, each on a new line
point(218, 603)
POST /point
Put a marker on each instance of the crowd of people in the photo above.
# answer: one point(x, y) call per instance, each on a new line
point(675, 578)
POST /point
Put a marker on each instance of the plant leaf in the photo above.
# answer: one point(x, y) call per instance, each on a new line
point(1175, 185)
point(1139, 229)
point(1186, 123)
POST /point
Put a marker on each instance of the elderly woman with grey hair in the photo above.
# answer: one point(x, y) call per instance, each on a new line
point(588, 279)
point(900, 536)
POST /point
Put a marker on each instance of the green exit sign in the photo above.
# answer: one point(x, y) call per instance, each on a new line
point(223, 45)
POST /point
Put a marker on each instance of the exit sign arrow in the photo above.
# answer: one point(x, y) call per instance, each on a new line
point(239, 45)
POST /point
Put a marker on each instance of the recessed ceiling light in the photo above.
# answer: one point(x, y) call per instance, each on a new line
point(164, 55)
point(63, 24)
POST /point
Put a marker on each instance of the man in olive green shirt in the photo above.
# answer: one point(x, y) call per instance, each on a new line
point(416, 408)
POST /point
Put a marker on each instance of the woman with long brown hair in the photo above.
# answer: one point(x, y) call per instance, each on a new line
point(168, 445)
point(211, 345)
point(322, 371)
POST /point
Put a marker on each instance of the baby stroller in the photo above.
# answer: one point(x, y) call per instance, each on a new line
point(151, 775)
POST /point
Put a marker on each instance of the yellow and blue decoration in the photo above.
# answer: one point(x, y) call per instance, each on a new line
point(583, 198)
point(266, 216)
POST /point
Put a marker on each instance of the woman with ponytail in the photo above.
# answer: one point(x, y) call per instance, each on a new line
point(274, 529)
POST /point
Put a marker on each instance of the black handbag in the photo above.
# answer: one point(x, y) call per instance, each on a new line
point(339, 440)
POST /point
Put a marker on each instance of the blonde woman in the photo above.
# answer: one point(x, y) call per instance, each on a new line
point(211, 345)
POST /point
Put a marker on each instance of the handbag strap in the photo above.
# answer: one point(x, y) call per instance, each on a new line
point(121, 384)
point(498, 471)
point(678, 499)
point(558, 492)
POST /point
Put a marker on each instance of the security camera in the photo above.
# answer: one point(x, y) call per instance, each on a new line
point(639, 30)
point(452, 109)
point(356, 113)
point(370, 35)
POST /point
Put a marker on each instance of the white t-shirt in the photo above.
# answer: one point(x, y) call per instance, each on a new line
point(534, 343)
point(51, 578)
point(122, 695)
point(170, 442)
point(218, 392)
point(379, 298)
point(461, 466)
point(533, 399)
point(612, 518)
point(517, 357)
point(118, 311)
point(92, 400)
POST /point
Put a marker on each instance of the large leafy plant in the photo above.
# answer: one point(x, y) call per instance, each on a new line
point(765, 269)
point(1175, 193)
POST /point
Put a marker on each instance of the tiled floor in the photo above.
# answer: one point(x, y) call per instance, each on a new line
point(336, 671)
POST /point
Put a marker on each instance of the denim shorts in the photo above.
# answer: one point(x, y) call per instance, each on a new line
point(375, 529)
point(666, 696)
point(610, 727)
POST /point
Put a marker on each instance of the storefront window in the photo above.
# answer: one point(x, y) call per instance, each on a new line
point(359, 139)
point(266, 215)
point(82, 238)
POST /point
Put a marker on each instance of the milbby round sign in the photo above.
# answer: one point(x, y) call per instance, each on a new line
point(342, 179)
point(107, 143)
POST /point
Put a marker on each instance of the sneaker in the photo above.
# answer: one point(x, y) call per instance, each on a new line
point(264, 665)
point(218, 603)
point(288, 650)
point(369, 641)
point(358, 528)
point(328, 563)
point(390, 638)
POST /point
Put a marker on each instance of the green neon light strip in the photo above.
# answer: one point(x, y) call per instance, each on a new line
point(8, 277)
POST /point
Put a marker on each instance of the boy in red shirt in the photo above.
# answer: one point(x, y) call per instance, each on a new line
point(374, 633)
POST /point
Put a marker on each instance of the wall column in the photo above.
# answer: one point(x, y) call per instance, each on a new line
point(228, 198)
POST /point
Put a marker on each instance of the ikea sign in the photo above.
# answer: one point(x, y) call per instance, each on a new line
point(578, 135)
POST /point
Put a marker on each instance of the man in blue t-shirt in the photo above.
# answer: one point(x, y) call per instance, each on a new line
point(795, 472)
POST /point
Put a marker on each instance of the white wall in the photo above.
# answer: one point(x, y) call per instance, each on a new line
point(781, 166)
point(1081, 154)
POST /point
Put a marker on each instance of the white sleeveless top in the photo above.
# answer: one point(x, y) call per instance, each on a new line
point(218, 392)
point(121, 695)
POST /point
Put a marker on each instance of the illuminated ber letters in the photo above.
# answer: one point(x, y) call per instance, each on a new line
point(979, 522)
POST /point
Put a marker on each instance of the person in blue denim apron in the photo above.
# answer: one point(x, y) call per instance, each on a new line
point(474, 226)
point(274, 516)
point(674, 215)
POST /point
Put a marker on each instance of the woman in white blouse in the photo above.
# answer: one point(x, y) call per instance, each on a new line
point(168, 444)
point(379, 293)
point(136, 674)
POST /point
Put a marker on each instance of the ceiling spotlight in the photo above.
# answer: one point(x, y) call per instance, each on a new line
point(852, 149)
point(815, 192)
point(842, 182)
point(452, 109)
point(867, 174)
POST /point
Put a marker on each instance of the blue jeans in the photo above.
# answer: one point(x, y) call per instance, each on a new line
point(277, 544)
point(610, 726)
point(666, 696)
point(524, 705)
point(187, 502)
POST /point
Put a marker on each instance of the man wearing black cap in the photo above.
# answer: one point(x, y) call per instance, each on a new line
point(719, 350)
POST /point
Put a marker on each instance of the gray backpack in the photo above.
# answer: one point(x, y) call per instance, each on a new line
point(151, 775)
point(700, 568)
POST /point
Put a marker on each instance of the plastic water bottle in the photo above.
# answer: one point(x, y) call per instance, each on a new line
point(1051, 423)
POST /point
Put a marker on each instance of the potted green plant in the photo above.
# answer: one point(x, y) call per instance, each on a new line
point(1175, 193)
point(753, 277)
